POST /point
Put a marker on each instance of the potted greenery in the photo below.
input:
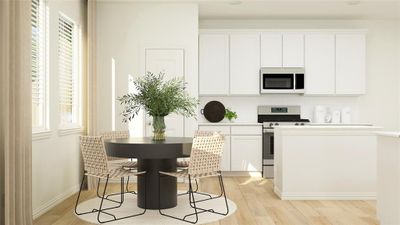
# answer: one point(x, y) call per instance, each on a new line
point(230, 115)
point(159, 98)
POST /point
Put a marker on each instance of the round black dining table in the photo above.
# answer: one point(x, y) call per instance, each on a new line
point(152, 157)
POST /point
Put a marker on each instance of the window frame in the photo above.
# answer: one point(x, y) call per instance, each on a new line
point(43, 68)
point(76, 125)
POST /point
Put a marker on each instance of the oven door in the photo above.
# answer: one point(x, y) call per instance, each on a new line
point(277, 81)
point(268, 153)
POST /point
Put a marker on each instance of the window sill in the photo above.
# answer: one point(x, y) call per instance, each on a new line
point(69, 130)
point(40, 135)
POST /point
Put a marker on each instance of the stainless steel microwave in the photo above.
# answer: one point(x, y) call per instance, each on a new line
point(282, 80)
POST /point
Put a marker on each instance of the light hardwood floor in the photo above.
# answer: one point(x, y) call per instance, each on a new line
point(257, 205)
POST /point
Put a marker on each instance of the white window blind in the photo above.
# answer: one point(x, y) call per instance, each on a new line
point(68, 72)
point(39, 65)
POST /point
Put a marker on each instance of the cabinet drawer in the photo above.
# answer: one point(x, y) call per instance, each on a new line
point(246, 130)
point(225, 130)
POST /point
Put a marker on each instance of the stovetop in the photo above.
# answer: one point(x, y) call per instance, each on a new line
point(271, 116)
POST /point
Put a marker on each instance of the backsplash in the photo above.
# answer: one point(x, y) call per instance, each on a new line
point(246, 107)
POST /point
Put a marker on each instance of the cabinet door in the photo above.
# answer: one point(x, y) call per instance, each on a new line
point(271, 50)
point(320, 64)
point(214, 64)
point(293, 50)
point(244, 64)
point(246, 153)
point(226, 155)
point(350, 64)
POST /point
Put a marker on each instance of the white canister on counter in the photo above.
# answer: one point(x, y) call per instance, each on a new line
point(336, 116)
point(346, 115)
point(320, 113)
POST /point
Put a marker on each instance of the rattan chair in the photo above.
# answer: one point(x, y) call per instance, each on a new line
point(205, 161)
point(96, 165)
point(116, 162)
point(184, 164)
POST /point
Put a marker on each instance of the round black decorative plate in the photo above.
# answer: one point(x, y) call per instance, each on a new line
point(214, 111)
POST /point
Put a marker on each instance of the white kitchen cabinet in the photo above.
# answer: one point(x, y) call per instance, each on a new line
point(214, 64)
point(271, 50)
point(226, 155)
point(244, 64)
point(350, 64)
point(246, 153)
point(293, 50)
point(320, 64)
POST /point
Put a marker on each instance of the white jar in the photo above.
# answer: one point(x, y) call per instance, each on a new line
point(320, 113)
point(346, 115)
point(336, 116)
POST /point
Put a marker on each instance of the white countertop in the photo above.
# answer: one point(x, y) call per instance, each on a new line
point(395, 134)
point(229, 124)
point(329, 126)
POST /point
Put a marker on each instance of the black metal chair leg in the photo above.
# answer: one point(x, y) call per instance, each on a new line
point(79, 195)
point(200, 193)
point(127, 188)
point(222, 187)
point(191, 195)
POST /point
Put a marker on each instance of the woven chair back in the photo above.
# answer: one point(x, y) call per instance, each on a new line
point(94, 154)
point(206, 154)
point(115, 134)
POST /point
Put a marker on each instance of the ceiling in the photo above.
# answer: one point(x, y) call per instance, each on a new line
point(291, 9)
point(299, 9)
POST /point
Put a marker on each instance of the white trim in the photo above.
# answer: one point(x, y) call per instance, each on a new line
point(67, 131)
point(45, 207)
point(325, 195)
point(240, 31)
point(43, 134)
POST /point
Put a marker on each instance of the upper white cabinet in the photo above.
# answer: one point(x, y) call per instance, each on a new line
point(214, 64)
point(320, 64)
point(350, 64)
point(293, 50)
point(334, 61)
point(282, 50)
point(271, 50)
point(244, 64)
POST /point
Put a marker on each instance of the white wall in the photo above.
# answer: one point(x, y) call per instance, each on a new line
point(379, 106)
point(56, 159)
point(124, 30)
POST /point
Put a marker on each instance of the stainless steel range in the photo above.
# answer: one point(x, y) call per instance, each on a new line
point(271, 116)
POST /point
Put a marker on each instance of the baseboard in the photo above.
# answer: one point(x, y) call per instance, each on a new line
point(55, 201)
point(325, 195)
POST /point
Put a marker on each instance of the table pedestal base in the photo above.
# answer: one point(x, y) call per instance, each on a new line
point(168, 191)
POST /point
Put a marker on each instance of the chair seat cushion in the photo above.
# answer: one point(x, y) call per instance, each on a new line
point(185, 174)
point(182, 164)
point(115, 173)
point(122, 164)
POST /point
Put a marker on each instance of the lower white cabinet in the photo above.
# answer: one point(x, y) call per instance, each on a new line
point(246, 153)
point(242, 148)
point(226, 155)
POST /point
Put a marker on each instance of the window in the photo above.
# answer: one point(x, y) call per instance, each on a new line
point(39, 65)
point(69, 75)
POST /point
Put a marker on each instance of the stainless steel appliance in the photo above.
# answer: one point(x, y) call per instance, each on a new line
point(271, 116)
point(282, 80)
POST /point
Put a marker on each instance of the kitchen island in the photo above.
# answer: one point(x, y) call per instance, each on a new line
point(325, 162)
point(388, 195)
